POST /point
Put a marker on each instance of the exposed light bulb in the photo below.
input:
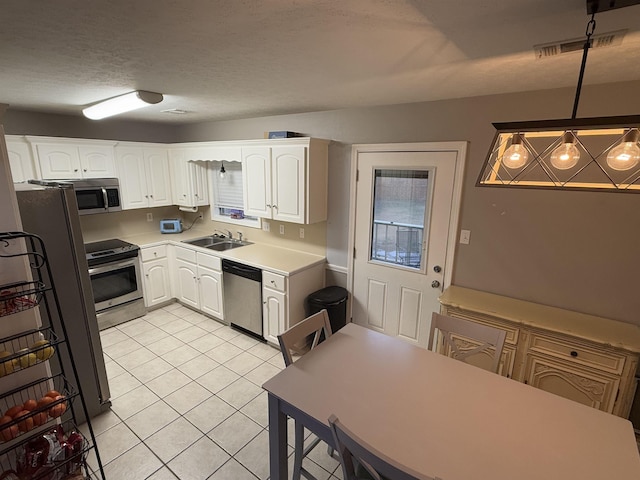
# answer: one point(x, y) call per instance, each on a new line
point(516, 156)
point(223, 172)
point(566, 156)
point(627, 154)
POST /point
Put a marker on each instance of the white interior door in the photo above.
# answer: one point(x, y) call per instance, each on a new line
point(406, 205)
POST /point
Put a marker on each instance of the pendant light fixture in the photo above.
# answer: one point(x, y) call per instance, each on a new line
point(223, 172)
point(121, 104)
point(591, 153)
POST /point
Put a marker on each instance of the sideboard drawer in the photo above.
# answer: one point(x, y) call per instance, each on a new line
point(578, 353)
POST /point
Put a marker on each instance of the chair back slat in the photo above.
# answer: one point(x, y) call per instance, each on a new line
point(353, 451)
point(291, 339)
point(489, 336)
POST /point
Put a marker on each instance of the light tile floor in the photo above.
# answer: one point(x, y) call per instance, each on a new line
point(187, 402)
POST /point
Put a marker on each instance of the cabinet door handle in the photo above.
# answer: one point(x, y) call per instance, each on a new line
point(275, 206)
point(574, 353)
point(75, 169)
point(269, 206)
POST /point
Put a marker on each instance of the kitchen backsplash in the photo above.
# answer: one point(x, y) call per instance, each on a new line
point(134, 222)
point(103, 226)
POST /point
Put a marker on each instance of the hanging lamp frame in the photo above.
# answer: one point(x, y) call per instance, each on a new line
point(595, 137)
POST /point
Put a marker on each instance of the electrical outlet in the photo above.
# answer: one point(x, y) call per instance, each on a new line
point(281, 229)
point(465, 237)
point(266, 226)
point(149, 217)
point(302, 233)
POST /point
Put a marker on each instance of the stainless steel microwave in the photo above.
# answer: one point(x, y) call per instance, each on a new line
point(95, 195)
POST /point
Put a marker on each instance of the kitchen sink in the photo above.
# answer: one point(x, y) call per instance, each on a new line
point(216, 243)
point(226, 245)
point(202, 242)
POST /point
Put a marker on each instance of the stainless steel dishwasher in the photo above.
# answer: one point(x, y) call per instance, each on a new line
point(242, 299)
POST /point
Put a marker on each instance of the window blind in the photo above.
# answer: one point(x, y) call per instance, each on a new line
point(227, 191)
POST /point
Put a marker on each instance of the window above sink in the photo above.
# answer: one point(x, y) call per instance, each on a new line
point(227, 195)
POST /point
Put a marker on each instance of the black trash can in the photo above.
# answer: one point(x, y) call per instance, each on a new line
point(334, 300)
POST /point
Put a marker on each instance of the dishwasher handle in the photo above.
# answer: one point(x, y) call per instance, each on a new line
point(242, 270)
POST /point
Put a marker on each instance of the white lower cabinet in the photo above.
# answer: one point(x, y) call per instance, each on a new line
point(198, 281)
point(186, 275)
point(155, 270)
point(210, 290)
point(274, 306)
point(194, 278)
point(283, 299)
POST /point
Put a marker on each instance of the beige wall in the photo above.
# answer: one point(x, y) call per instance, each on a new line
point(575, 250)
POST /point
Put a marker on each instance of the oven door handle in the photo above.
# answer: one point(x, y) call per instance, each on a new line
point(109, 267)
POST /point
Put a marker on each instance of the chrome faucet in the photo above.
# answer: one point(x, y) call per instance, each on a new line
point(239, 235)
point(228, 233)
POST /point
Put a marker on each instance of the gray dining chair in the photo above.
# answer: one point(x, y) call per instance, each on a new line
point(490, 338)
point(361, 461)
point(298, 340)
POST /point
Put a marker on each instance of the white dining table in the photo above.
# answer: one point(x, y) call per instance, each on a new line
point(443, 417)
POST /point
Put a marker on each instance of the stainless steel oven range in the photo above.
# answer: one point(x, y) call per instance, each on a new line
point(116, 281)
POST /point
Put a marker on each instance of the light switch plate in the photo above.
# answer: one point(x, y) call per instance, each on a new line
point(465, 237)
point(281, 229)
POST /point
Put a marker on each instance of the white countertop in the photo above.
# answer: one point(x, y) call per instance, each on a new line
point(267, 257)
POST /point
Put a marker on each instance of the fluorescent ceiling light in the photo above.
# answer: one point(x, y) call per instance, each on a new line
point(123, 103)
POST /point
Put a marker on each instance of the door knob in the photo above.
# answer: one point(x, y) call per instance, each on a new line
point(435, 284)
point(437, 269)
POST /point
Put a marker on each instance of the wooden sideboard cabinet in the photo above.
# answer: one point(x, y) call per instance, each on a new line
point(591, 360)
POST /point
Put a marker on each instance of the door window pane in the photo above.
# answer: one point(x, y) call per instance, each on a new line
point(399, 207)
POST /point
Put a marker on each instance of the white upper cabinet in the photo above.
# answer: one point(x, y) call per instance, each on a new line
point(189, 183)
point(20, 159)
point(74, 159)
point(144, 176)
point(97, 161)
point(286, 182)
point(256, 176)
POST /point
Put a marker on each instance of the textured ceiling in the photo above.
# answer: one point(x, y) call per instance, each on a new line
point(227, 59)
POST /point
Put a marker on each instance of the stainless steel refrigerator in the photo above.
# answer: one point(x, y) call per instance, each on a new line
point(52, 214)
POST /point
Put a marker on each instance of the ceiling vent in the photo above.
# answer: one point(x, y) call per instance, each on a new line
point(553, 49)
